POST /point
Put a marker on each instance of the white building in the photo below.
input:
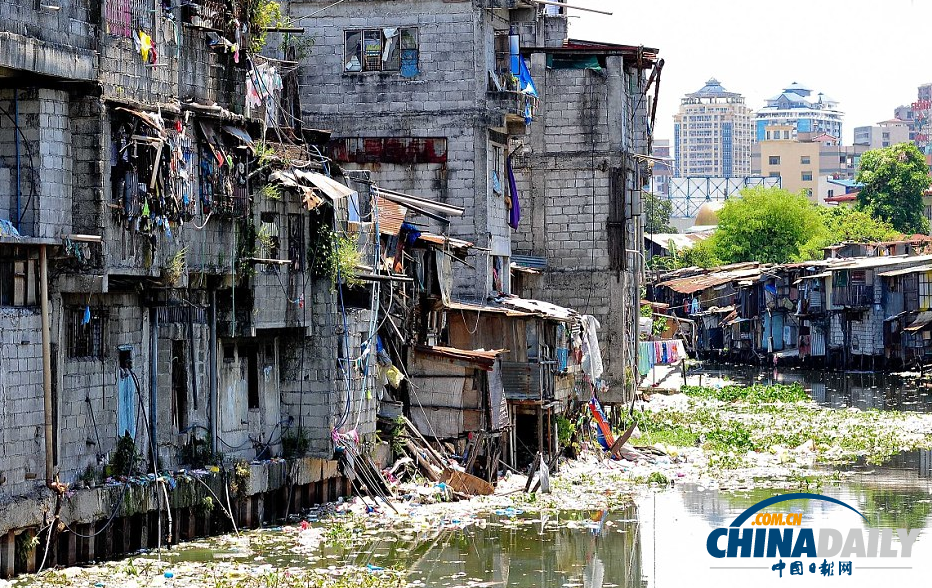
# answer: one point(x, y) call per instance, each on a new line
point(883, 134)
point(796, 106)
point(712, 133)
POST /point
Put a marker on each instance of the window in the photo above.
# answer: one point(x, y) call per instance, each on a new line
point(768, 135)
point(387, 49)
point(804, 160)
point(831, 193)
point(774, 174)
point(774, 160)
point(807, 176)
point(85, 332)
point(296, 244)
point(18, 281)
point(786, 134)
point(925, 290)
point(252, 378)
point(268, 235)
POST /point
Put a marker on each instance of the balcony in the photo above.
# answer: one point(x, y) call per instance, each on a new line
point(854, 296)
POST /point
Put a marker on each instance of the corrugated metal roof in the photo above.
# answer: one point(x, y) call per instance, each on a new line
point(909, 270)
point(484, 358)
point(922, 319)
point(467, 307)
point(391, 216)
point(444, 240)
point(530, 261)
point(539, 307)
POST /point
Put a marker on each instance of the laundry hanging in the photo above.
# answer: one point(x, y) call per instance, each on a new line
point(664, 352)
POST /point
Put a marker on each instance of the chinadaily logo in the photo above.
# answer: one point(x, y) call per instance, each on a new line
point(782, 540)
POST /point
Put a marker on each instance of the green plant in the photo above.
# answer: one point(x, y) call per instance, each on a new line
point(659, 326)
point(239, 481)
point(657, 478)
point(125, 456)
point(270, 192)
point(89, 476)
point(295, 442)
point(175, 266)
point(198, 452)
point(265, 154)
point(25, 547)
point(344, 261)
point(565, 430)
point(262, 14)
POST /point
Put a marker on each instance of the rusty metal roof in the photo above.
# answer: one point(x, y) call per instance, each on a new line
point(391, 216)
point(484, 358)
point(444, 240)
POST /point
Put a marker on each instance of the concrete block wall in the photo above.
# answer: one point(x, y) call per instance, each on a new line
point(22, 416)
point(582, 130)
point(74, 24)
point(313, 387)
point(447, 98)
point(45, 161)
point(88, 386)
point(170, 437)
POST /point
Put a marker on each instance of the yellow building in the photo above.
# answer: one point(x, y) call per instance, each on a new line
point(796, 163)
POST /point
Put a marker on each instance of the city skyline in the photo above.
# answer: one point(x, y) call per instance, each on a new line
point(729, 44)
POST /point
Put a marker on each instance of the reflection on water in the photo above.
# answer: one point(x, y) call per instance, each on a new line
point(586, 549)
point(863, 390)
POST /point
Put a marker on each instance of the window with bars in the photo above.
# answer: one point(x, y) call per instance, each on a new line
point(386, 49)
point(125, 17)
point(296, 242)
point(86, 332)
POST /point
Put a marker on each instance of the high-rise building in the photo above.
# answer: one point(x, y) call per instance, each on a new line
point(883, 134)
point(916, 116)
point(662, 169)
point(804, 112)
point(712, 133)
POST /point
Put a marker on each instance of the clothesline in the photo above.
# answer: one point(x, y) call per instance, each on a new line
point(664, 352)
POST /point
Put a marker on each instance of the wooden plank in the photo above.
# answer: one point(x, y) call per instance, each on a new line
point(466, 483)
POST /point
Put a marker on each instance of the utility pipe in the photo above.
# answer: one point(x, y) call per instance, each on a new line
point(212, 375)
point(562, 5)
point(46, 364)
point(16, 132)
point(154, 384)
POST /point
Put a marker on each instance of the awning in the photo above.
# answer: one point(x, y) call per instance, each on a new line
point(922, 320)
point(786, 353)
point(540, 307)
point(910, 270)
point(484, 358)
point(289, 179)
point(332, 188)
point(240, 134)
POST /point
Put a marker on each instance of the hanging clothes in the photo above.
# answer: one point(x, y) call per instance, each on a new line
point(644, 357)
point(514, 215)
point(592, 354)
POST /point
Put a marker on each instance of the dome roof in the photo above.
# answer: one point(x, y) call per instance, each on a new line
point(707, 215)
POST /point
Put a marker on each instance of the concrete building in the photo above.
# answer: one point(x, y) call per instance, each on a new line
point(798, 108)
point(157, 283)
point(459, 100)
point(662, 168)
point(712, 133)
point(805, 162)
point(883, 134)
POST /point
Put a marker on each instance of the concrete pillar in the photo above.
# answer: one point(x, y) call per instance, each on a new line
point(7, 555)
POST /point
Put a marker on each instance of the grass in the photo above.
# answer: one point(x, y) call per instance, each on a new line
point(731, 421)
point(757, 394)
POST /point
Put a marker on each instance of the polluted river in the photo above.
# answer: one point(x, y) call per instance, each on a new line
point(857, 445)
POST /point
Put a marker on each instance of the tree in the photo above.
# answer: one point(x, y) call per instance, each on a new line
point(894, 180)
point(765, 224)
point(657, 211)
point(840, 224)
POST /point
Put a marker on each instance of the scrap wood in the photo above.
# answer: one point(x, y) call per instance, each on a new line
point(429, 469)
point(464, 483)
point(427, 445)
point(616, 446)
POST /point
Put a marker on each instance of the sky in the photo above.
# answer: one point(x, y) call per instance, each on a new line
point(868, 55)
